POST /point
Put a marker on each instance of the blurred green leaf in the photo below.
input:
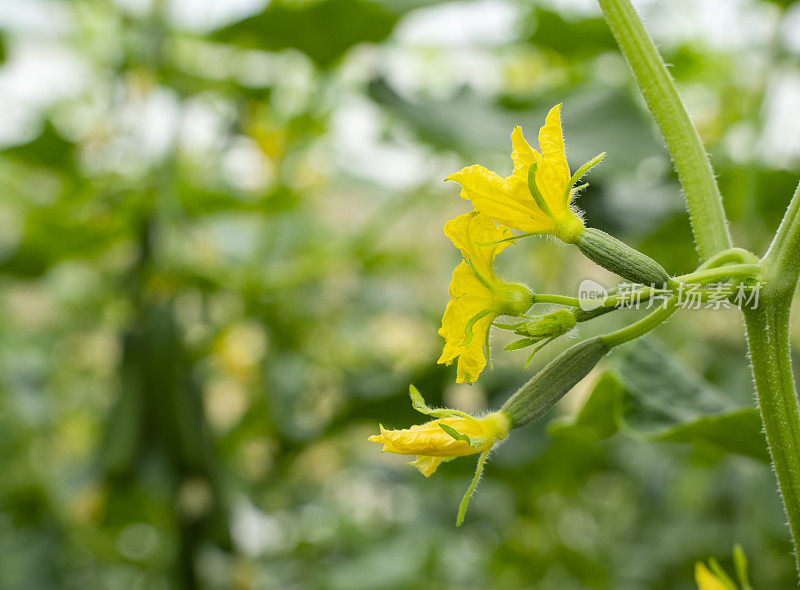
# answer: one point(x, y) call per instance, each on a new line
point(597, 120)
point(323, 30)
point(653, 396)
point(48, 149)
point(577, 39)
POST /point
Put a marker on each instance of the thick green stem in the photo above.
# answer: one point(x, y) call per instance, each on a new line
point(770, 356)
point(700, 188)
point(768, 341)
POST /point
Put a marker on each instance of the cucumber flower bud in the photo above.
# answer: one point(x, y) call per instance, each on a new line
point(451, 434)
point(477, 295)
point(548, 326)
point(541, 328)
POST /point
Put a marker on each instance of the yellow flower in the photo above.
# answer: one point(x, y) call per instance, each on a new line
point(706, 580)
point(432, 444)
point(477, 295)
point(536, 197)
point(451, 434)
point(715, 578)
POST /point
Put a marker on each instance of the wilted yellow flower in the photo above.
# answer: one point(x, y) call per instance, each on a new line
point(477, 295)
point(708, 581)
point(452, 434)
point(536, 197)
point(432, 444)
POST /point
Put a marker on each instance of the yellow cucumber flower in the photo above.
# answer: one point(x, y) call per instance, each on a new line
point(715, 578)
point(451, 434)
point(432, 444)
point(536, 197)
point(706, 580)
point(477, 295)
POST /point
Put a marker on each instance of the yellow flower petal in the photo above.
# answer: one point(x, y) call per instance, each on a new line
point(471, 229)
point(551, 139)
point(552, 176)
point(522, 154)
point(706, 580)
point(507, 200)
point(477, 296)
point(469, 298)
point(427, 465)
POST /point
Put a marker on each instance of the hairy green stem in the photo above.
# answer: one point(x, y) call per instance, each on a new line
point(733, 271)
point(784, 252)
point(768, 342)
point(556, 299)
point(771, 363)
point(643, 326)
point(701, 192)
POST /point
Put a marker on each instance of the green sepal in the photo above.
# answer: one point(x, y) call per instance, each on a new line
point(462, 508)
point(534, 190)
point(478, 275)
point(418, 403)
point(510, 327)
point(579, 173)
point(537, 349)
point(488, 350)
point(723, 577)
point(741, 567)
point(471, 324)
point(511, 239)
point(459, 436)
point(521, 343)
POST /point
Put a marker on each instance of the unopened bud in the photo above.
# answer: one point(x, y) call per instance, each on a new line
point(548, 326)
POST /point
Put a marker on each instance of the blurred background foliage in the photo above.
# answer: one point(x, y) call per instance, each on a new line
point(221, 264)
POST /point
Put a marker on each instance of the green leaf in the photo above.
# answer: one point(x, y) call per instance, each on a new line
point(598, 419)
point(323, 30)
point(652, 396)
point(738, 432)
point(48, 149)
point(577, 39)
point(590, 118)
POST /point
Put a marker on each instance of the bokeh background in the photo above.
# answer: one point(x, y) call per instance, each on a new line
point(221, 265)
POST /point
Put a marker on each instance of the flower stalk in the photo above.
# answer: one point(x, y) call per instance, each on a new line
point(703, 199)
point(550, 384)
